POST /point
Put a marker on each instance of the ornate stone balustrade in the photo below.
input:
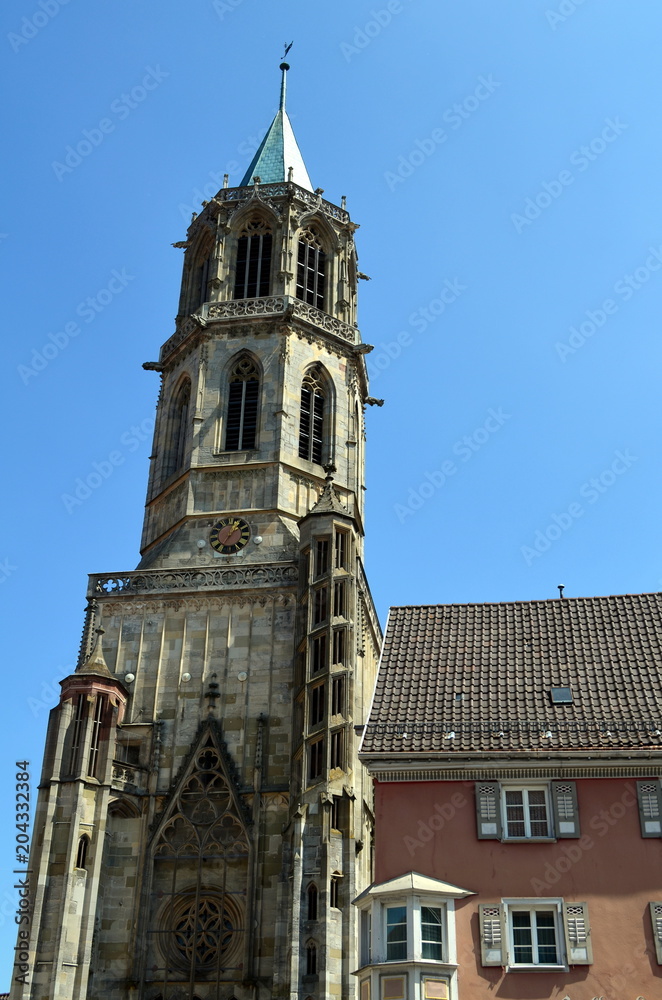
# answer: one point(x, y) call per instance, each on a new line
point(267, 305)
point(278, 190)
point(126, 777)
point(166, 581)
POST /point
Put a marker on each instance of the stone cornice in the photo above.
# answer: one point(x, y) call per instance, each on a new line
point(301, 314)
point(162, 581)
point(482, 767)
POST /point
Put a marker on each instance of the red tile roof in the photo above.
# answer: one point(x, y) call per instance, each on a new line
point(503, 659)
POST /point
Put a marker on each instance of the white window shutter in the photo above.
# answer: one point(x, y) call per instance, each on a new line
point(577, 934)
point(492, 934)
point(564, 804)
point(656, 920)
point(650, 807)
point(488, 810)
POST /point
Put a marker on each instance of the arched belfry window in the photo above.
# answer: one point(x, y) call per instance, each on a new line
point(200, 277)
point(311, 420)
point(178, 430)
point(311, 268)
point(243, 395)
point(253, 271)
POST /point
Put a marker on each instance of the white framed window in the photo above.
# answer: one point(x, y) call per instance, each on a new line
point(535, 934)
point(518, 811)
point(396, 933)
point(525, 813)
point(431, 933)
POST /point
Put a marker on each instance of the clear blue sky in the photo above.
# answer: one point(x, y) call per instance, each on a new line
point(503, 160)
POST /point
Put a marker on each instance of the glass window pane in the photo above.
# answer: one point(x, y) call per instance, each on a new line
point(522, 938)
point(396, 933)
point(546, 935)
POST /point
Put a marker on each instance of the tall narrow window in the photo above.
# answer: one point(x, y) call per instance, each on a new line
point(320, 605)
point(334, 891)
point(311, 268)
point(339, 599)
point(252, 276)
point(95, 742)
point(341, 550)
point(431, 933)
point(339, 646)
point(321, 556)
point(311, 960)
point(316, 759)
point(200, 283)
point(244, 390)
point(79, 719)
point(311, 895)
point(336, 749)
point(317, 704)
point(318, 654)
point(178, 431)
point(338, 696)
point(396, 933)
point(311, 420)
point(81, 856)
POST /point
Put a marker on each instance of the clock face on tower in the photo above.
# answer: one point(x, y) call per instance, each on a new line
point(229, 535)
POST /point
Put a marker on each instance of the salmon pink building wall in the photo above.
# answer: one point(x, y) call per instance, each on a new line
point(430, 827)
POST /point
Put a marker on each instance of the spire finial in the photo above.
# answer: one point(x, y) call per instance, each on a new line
point(283, 83)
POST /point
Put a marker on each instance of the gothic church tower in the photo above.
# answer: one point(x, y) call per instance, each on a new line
point(203, 822)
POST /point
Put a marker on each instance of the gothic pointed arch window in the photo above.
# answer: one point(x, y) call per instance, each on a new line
point(311, 268)
point(253, 267)
point(178, 428)
point(201, 857)
point(200, 275)
point(312, 416)
point(311, 959)
point(243, 398)
point(81, 854)
point(311, 901)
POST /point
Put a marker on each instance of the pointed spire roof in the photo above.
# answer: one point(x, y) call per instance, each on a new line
point(329, 501)
point(96, 663)
point(278, 150)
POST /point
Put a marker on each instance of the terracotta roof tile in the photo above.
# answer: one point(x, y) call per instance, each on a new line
point(504, 659)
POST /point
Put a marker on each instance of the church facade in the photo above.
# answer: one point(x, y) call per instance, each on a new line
point(203, 821)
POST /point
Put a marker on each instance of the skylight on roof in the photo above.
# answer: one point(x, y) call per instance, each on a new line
point(561, 696)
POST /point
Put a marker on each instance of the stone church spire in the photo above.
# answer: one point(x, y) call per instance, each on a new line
point(203, 821)
point(278, 157)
